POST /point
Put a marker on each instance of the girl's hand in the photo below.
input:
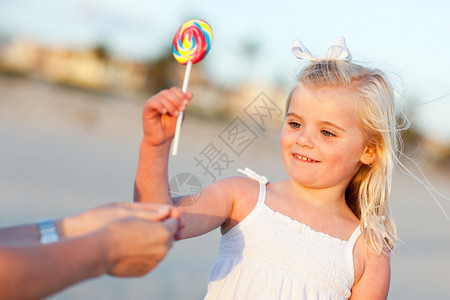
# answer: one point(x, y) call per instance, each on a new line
point(161, 113)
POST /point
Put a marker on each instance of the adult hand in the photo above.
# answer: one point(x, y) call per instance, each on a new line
point(94, 219)
point(136, 246)
point(160, 115)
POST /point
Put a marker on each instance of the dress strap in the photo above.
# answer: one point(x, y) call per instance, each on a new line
point(355, 235)
point(262, 184)
point(253, 175)
point(350, 247)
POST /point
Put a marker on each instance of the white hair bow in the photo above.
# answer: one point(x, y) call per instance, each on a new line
point(338, 51)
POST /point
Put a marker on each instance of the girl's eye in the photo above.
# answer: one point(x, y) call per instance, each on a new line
point(327, 133)
point(295, 125)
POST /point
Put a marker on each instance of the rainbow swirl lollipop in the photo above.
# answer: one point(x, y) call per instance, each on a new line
point(190, 44)
point(192, 41)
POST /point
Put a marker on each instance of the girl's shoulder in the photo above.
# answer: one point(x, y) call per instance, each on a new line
point(237, 187)
point(244, 193)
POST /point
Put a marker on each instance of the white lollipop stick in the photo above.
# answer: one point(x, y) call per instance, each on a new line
point(187, 74)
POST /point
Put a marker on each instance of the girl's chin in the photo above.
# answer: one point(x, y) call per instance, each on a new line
point(304, 180)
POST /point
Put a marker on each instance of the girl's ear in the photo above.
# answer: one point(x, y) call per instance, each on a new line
point(368, 156)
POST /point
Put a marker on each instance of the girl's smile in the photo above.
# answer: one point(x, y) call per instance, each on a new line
point(304, 158)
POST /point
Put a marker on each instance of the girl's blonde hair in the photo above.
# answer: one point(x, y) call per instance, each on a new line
point(367, 195)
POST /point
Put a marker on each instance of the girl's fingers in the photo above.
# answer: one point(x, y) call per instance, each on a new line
point(180, 97)
point(170, 107)
point(158, 106)
point(162, 106)
point(184, 97)
point(172, 101)
point(189, 95)
point(176, 98)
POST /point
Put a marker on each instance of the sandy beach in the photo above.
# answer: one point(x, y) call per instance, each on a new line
point(64, 150)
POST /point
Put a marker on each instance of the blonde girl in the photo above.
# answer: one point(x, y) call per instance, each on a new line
point(323, 233)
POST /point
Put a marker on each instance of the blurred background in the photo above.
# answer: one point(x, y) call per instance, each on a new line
point(74, 76)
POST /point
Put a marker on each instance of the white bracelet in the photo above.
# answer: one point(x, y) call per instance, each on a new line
point(47, 231)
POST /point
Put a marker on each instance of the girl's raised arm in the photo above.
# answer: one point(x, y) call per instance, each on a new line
point(213, 205)
point(159, 122)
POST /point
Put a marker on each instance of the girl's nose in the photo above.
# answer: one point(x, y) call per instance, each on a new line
point(304, 140)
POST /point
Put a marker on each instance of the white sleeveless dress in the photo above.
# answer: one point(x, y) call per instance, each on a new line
point(271, 256)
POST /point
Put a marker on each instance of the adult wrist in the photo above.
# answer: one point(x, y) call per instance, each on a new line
point(48, 232)
point(60, 228)
point(111, 244)
point(69, 227)
point(101, 244)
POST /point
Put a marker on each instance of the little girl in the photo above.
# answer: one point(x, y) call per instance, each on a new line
point(323, 233)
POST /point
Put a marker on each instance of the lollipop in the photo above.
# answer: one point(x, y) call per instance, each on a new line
point(190, 44)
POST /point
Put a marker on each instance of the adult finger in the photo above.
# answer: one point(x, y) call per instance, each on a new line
point(148, 211)
point(158, 214)
point(171, 224)
point(174, 212)
point(142, 205)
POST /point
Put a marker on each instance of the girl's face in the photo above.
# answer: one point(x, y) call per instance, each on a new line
point(321, 142)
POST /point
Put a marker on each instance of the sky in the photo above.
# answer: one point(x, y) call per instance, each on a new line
point(408, 40)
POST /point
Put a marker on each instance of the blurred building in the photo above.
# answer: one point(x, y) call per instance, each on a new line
point(84, 68)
